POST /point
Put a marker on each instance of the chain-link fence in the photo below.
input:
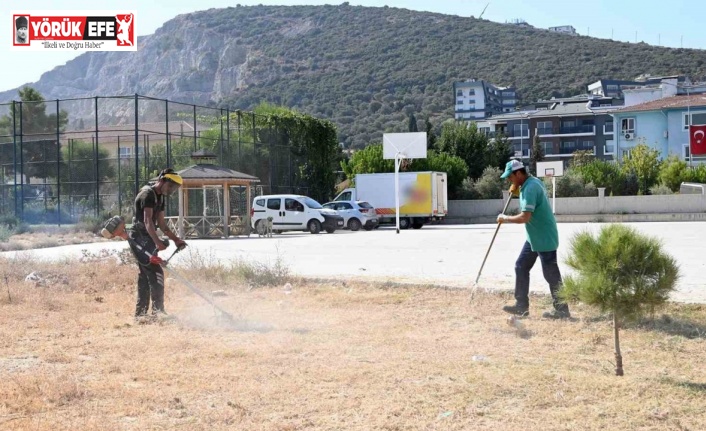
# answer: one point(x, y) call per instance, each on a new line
point(62, 160)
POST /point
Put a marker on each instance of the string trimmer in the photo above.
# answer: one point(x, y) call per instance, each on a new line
point(163, 263)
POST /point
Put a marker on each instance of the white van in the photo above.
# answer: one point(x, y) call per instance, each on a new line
point(294, 212)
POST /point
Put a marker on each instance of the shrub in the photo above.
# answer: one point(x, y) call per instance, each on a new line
point(673, 172)
point(661, 190)
point(488, 186)
point(602, 174)
point(571, 185)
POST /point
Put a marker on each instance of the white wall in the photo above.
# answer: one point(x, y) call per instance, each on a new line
point(657, 204)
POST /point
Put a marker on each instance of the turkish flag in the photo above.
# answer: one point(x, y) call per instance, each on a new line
point(697, 140)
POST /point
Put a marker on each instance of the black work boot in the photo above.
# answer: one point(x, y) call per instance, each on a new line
point(517, 310)
point(560, 312)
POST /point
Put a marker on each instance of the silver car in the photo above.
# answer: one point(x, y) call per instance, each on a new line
point(356, 214)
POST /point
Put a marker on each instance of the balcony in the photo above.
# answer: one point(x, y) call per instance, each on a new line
point(517, 134)
point(566, 151)
point(609, 149)
point(583, 130)
point(608, 129)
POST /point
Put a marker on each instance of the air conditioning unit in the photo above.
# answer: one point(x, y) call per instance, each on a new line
point(629, 136)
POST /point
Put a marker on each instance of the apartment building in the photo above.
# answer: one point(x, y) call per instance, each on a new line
point(477, 99)
point(563, 127)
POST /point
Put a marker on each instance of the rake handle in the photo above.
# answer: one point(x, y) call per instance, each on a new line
point(507, 204)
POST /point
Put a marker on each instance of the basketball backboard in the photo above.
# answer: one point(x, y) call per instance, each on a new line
point(412, 145)
point(550, 169)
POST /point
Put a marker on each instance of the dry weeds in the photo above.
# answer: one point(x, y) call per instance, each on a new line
point(329, 355)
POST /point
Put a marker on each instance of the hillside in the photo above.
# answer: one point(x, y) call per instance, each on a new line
point(364, 68)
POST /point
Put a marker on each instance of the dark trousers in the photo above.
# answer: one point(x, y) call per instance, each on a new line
point(550, 269)
point(150, 285)
point(150, 281)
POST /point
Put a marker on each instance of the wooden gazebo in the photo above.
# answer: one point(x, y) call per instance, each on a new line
point(214, 202)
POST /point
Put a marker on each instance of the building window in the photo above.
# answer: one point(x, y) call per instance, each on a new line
point(609, 147)
point(567, 147)
point(125, 152)
point(544, 128)
point(696, 118)
point(609, 87)
point(588, 146)
point(459, 102)
point(627, 125)
point(608, 128)
point(520, 130)
point(687, 153)
point(459, 93)
point(548, 148)
point(471, 92)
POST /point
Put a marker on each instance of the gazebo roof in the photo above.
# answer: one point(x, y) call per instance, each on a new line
point(214, 172)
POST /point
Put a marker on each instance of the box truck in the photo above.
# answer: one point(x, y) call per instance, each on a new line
point(423, 196)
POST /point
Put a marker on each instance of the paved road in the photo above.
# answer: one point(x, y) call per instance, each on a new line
point(447, 255)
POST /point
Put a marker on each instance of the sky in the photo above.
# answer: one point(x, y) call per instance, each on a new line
point(677, 23)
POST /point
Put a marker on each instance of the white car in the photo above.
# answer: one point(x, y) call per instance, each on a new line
point(356, 214)
point(294, 212)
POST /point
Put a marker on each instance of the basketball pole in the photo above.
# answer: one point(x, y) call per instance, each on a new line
point(398, 160)
point(553, 194)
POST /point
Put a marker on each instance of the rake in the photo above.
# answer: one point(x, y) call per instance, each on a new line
point(475, 285)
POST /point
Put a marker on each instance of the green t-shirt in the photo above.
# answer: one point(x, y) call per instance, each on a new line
point(542, 233)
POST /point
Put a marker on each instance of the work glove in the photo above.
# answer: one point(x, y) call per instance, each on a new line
point(502, 218)
point(180, 244)
point(514, 191)
point(156, 260)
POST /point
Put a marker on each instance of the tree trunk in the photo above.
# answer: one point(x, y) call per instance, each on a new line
point(618, 356)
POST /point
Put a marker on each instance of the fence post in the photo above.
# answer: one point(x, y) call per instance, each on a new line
point(601, 200)
point(120, 194)
point(58, 166)
point(240, 132)
point(22, 169)
point(220, 137)
point(168, 148)
point(195, 147)
point(137, 147)
point(228, 135)
point(97, 161)
point(14, 159)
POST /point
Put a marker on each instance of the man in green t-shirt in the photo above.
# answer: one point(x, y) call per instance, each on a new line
point(542, 240)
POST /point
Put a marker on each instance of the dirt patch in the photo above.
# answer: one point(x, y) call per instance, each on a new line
point(328, 355)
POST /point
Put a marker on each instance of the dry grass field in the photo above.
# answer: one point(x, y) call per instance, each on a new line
point(317, 355)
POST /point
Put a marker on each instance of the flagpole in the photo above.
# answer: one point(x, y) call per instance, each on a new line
point(688, 115)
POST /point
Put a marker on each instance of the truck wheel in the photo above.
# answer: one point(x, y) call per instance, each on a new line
point(314, 226)
point(417, 225)
point(405, 223)
point(354, 224)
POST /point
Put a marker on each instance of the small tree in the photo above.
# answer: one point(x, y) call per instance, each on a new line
point(537, 154)
point(412, 123)
point(645, 163)
point(431, 136)
point(673, 172)
point(622, 272)
point(499, 152)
